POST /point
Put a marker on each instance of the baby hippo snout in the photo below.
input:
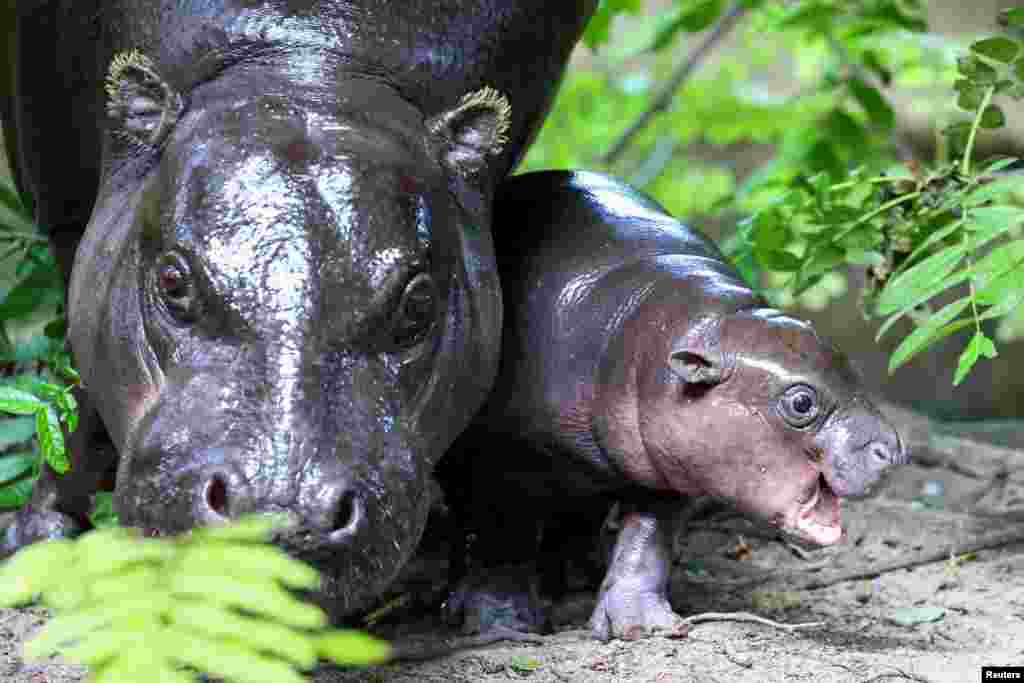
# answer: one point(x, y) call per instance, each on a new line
point(854, 472)
point(888, 452)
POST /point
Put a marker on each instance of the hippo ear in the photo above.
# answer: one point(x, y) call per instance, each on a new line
point(695, 365)
point(144, 107)
point(476, 128)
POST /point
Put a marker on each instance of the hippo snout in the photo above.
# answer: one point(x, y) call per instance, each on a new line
point(334, 511)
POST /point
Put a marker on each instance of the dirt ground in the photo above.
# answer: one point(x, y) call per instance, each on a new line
point(973, 609)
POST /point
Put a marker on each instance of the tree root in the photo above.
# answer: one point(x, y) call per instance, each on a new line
point(747, 617)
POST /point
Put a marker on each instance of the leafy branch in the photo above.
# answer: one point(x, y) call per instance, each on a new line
point(216, 600)
point(922, 234)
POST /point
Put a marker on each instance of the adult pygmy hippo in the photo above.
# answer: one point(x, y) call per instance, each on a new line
point(286, 297)
point(638, 366)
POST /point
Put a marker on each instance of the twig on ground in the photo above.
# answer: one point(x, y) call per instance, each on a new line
point(661, 102)
point(898, 673)
point(409, 652)
point(749, 618)
point(797, 550)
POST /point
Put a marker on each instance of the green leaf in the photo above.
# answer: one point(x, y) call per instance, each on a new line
point(976, 70)
point(912, 616)
point(260, 634)
point(999, 48)
point(19, 402)
point(988, 222)
point(14, 465)
point(980, 345)
point(252, 594)
point(927, 334)
point(667, 25)
point(777, 259)
point(970, 97)
point(875, 65)
point(993, 117)
point(228, 659)
point(597, 31)
point(846, 130)
point(874, 105)
point(15, 494)
point(1013, 17)
point(921, 282)
point(51, 440)
point(815, 16)
point(770, 232)
point(700, 14)
point(43, 287)
point(352, 647)
point(1018, 69)
point(15, 430)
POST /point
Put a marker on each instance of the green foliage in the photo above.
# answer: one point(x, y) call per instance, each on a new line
point(924, 235)
point(36, 376)
point(940, 244)
point(216, 600)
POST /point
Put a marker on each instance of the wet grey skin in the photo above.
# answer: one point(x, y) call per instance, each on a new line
point(283, 295)
point(638, 367)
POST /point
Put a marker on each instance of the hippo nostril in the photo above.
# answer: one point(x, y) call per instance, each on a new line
point(347, 517)
point(217, 495)
point(880, 453)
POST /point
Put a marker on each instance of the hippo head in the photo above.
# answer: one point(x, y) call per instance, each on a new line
point(281, 305)
point(755, 408)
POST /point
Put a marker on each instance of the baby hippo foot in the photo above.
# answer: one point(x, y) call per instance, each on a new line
point(633, 602)
point(631, 612)
point(498, 598)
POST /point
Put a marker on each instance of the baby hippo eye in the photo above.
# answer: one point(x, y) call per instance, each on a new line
point(799, 405)
point(416, 311)
point(175, 286)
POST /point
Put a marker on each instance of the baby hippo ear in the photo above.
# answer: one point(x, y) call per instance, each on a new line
point(697, 365)
point(476, 128)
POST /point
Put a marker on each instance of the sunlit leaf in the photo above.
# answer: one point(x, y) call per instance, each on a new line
point(927, 334)
point(14, 465)
point(993, 117)
point(998, 48)
point(919, 283)
point(19, 402)
point(979, 346)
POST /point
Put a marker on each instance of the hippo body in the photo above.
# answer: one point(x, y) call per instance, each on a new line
point(283, 296)
point(638, 367)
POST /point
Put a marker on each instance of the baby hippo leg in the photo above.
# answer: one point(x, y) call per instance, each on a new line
point(633, 601)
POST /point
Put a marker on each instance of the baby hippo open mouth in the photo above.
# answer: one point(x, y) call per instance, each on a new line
point(818, 520)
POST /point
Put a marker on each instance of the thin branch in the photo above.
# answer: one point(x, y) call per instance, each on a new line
point(748, 618)
point(664, 98)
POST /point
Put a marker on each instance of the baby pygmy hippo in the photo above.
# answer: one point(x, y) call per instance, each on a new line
point(637, 366)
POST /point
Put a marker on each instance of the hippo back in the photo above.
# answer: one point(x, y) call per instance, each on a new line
point(52, 101)
point(577, 253)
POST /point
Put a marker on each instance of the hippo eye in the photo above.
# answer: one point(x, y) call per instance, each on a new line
point(799, 405)
point(174, 282)
point(416, 311)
